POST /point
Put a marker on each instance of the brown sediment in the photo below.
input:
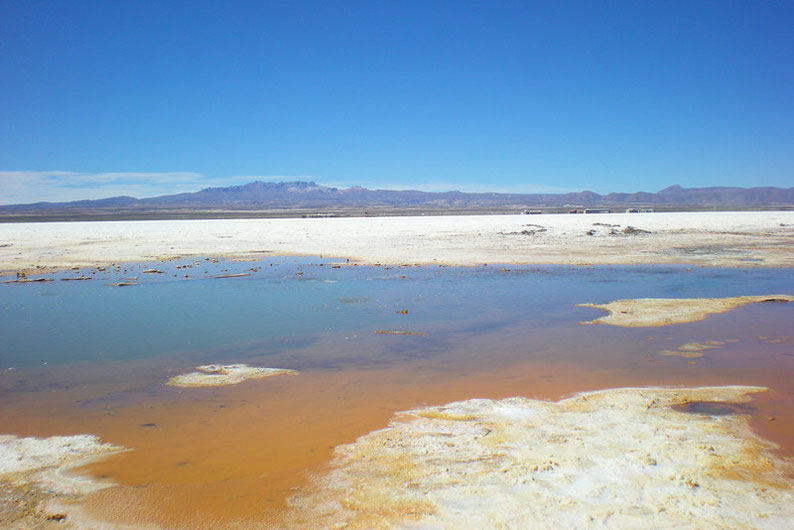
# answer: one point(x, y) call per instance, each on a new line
point(28, 280)
point(394, 332)
point(654, 312)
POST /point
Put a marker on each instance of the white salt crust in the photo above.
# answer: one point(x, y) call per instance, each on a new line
point(225, 374)
point(737, 239)
point(655, 312)
point(21, 456)
point(40, 470)
point(620, 458)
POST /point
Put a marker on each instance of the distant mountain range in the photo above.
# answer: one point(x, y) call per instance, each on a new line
point(258, 196)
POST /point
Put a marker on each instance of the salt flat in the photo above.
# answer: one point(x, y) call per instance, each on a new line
point(702, 238)
point(568, 462)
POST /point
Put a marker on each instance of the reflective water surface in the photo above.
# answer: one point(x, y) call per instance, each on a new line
point(87, 357)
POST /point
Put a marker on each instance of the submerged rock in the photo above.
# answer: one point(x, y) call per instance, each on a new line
point(229, 374)
point(618, 458)
point(693, 350)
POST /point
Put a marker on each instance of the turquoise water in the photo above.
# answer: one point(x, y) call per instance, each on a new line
point(287, 304)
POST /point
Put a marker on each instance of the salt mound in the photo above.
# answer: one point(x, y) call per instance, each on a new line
point(229, 374)
point(34, 472)
point(19, 455)
point(619, 458)
point(653, 312)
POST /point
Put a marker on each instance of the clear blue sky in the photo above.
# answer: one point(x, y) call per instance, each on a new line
point(105, 97)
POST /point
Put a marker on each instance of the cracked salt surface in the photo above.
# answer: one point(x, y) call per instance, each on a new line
point(620, 458)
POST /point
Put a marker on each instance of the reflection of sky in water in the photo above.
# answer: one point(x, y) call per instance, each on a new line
point(274, 311)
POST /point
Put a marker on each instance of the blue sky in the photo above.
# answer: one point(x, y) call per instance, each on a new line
point(103, 98)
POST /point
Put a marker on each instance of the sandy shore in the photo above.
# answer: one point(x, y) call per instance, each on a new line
point(704, 238)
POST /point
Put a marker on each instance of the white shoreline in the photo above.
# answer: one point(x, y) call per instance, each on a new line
point(733, 239)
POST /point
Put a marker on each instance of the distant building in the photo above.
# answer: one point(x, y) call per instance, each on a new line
point(596, 210)
point(531, 212)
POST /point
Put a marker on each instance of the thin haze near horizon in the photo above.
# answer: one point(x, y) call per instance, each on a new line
point(148, 98)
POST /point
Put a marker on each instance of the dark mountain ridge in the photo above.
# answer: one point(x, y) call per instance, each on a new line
point(309, 195)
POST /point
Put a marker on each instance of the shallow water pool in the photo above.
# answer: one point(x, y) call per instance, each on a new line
point(89, 357)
